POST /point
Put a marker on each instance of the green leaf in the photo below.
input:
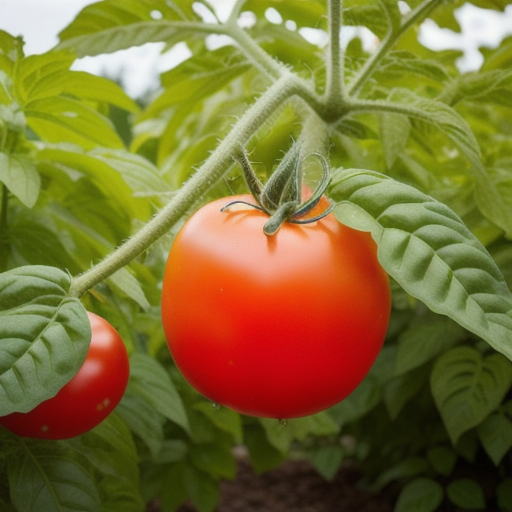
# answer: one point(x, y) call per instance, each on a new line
point(401, 389)
point(34, 239)
point(424, 339)
point(466, 494)
point(429, 251)
point(44, 336)
point(143, 420)
point(404, 65)
point(214, 459)
point(202, 489)
point(392, 14)
point(84, 85)
point(493, 196)
point(500, 57)
point(490, 200)
point(491, 86)
point(48, 75)
point(11, 48)
point(355, 129)
point(109, 449)
point(197, 78)
point(121, 37)
point(504, 495)
point(304, 14)
point(128, 284)
point(495, 434)
point(407, 467)
point(223, 418)
point(369, 16)
point(361, 401)
point(114, 173)
point(447, 120)
point(39, 76)
point(166, 483)
point(263, 454)
point(60, 119)
point(105, 27)
point(327, 460)
point(282, 434)
point(20, 176)
point(43, 477)
point(173, 450)
point(467, 387)
point(442, 459)
point(13, 117)
point(394, 133)
point(139, 173)
point(149, 380)
point(420, 495)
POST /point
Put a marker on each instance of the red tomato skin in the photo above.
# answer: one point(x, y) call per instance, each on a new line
point(88, 398)
point(282, 326)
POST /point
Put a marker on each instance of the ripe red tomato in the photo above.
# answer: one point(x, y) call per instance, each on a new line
point(281, 326)
point(88, 398)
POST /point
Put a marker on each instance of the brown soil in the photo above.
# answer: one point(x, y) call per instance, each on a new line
point(296, 487)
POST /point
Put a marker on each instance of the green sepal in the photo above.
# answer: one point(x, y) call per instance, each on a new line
point(284, 185)
point(281, 196)
point(281, 215)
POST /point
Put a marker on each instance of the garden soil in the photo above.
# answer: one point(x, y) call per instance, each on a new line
point(296, 487)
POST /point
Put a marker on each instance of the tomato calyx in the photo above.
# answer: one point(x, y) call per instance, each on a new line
point(281, 197)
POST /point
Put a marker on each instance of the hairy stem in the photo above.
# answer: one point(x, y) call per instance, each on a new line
point(416, 15)
point(211, 171)
point(335, 85)
point(373, 106)
point(255, 53)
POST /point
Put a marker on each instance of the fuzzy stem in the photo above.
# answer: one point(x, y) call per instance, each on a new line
point(334, 91)
point(388, 42)
point(211, 171)
point(253, 51)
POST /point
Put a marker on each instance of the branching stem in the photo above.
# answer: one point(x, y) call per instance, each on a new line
point(416, 15)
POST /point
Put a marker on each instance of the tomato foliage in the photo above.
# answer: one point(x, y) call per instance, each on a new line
point(96, 185)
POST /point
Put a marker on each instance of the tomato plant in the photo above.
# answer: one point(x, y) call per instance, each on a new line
point(282, 326)
point(88, 398)
point(93, 182)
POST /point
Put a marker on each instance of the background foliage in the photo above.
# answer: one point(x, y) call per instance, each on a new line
point(83, 167)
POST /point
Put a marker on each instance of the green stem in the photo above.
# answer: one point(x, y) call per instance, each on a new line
point(416, 15)
point(374, 106)
point(334, 92)
point(273, 68)
point(235, 12)
point(255, 53)
point(211, 171)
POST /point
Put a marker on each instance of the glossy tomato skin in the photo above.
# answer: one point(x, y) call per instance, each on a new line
point(88, 398)
point(281, 326)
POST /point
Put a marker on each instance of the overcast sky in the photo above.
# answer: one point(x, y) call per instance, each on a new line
point(39, 22)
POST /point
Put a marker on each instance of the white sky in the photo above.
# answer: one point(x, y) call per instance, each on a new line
point(39, 22)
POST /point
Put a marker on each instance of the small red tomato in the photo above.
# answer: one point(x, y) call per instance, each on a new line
point(275, 326)
point(88, 398)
